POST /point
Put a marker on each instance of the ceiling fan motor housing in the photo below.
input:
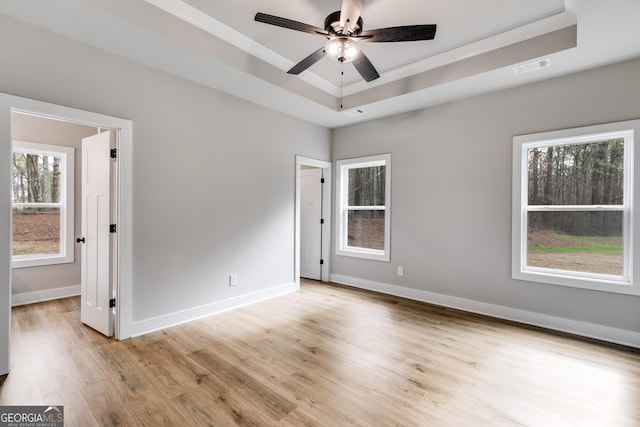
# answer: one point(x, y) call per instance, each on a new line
point(332, 25)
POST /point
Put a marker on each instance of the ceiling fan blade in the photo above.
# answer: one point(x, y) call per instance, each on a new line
point(308, 61)
point(290, 24)
point(365, 67)
point(408, 33)
point(349, 15)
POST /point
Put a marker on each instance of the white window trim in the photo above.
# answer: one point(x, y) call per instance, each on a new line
point(67, 206)
point(624, 284)
point(342, 247)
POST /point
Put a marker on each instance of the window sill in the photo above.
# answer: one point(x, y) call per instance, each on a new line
point(371, 254)
point(596, 282)
point(41, 261)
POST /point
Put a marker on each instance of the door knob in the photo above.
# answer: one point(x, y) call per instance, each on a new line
point(80, 240)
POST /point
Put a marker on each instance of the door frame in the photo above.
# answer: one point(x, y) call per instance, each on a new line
point(124, 218)
point(326, 214)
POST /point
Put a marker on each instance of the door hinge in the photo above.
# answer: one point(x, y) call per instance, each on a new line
point(114, 153)
point(112, 302)
point(112, 228)
point(321, 180)
point(321, 262)
point(321, 220)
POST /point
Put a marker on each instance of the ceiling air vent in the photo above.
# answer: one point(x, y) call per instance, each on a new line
point(353, 113)
point(532, 66)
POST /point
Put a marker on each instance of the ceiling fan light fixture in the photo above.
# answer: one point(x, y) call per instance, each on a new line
point(342, 49)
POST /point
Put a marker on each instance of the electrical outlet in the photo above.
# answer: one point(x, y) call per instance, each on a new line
point(233, 280)
point(400, 271)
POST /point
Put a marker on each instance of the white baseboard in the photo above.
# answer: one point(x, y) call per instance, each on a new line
point(585, 329)
point(173, 319)
point(46, 295)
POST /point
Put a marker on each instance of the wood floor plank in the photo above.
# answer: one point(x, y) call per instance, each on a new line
point(262, 399)
point(327, 355)
point(76, 410)
point(21, 388)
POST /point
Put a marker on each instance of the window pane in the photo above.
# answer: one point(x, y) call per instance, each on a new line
point(366, 229)
point(589, 242)
point(36, 178)
point(367, 186)
point(36, 231)
point(577, 174)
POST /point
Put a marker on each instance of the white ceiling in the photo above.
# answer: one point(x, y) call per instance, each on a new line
point(218, 44)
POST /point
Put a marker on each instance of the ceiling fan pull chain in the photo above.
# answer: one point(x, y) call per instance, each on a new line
point(341, 83)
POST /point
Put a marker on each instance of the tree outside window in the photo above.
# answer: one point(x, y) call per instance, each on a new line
point(573, 212)
point(42, 186)
point(363, 206)
point(588, 176)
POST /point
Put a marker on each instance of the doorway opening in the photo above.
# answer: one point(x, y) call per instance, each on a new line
point(122, 239)
point(64, 184)
point(313, 219)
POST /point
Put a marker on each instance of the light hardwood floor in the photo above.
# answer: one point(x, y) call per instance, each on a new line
point(324, 356)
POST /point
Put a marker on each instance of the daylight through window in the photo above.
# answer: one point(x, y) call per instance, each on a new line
point(573, 209)
point(42, 202)
point(364, 194)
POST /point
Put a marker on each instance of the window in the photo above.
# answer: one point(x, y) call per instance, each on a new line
point(364, 189)
point(573, 216)
point(42, 201)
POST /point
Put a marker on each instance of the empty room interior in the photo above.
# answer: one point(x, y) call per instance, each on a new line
point(321, 212)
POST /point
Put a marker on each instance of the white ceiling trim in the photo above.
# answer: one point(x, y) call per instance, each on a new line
point(498, 41)
point(207, 23)
point(174, 37)
point(199, 19)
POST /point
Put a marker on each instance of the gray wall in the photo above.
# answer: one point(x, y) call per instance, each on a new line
point(214, 175)
point(451, 191)
point(55, 132)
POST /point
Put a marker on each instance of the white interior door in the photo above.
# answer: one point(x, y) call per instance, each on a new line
point(96, 209)
point(310, 225)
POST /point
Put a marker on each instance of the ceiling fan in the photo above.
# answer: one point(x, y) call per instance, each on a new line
point(344, 29)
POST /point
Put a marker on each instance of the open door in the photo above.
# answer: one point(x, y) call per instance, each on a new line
point(96, 233)
point(311, 223)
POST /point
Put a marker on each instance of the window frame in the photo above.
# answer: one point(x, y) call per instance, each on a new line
point(342, 207)
point(66, 205)
point(627, 130)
